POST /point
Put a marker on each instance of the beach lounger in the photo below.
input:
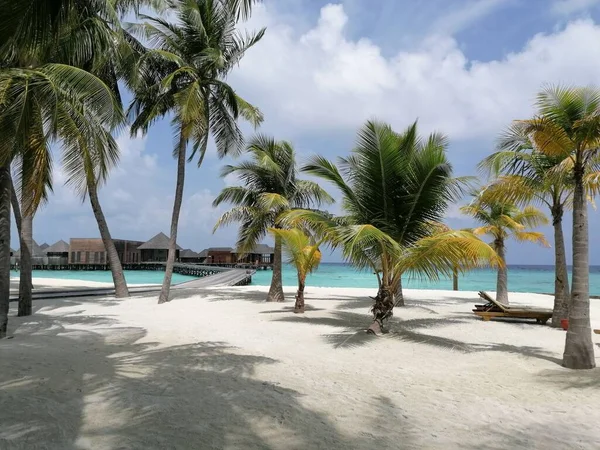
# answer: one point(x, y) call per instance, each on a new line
point(494, 308)
point(597, 331)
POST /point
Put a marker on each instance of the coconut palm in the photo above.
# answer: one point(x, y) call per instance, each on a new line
point(526, 175)
point(501, 221)
point(566, 126)
point(395, 189)
point(304, 255)
point(182, 76)
point(85, 35)
point(270, 187)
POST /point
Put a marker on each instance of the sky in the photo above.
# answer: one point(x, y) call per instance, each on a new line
point(465, 68)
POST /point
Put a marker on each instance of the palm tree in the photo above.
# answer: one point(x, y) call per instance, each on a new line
point(182, 76)
point(566, 126)
point(304, 254)
point(82, 34)
point(503, 220)
point(395, 189)
point(526, 175)
point(5, 194)
point(270, 188)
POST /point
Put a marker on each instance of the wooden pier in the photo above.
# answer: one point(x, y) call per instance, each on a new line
point(208, 276)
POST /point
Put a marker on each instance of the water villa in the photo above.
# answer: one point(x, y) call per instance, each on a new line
point(90, 254)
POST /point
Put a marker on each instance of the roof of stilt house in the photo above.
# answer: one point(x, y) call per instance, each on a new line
point(44, 246)
point(188, 253)
point(258, 249)
point(203, 253)
point(35, 250)
point(58, 247)
point(158, 242)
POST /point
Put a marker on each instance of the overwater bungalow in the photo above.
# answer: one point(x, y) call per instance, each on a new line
point(157, 249)
point(86, 251)
point(57, 254)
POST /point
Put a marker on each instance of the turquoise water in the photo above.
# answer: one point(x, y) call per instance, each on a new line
point(520, 279)
point(132, 276)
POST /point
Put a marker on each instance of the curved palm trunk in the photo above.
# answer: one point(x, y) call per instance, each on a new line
point(502, 281)
point(276, 289)
point(382, 310)
point(166, 286)
point(5, 194)
point(299, 306)
point(561, 278)
point(579, 349)
point(114, 262)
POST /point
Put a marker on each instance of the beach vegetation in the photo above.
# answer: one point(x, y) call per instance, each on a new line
point(269, 186)
point(395, 189)
point(303, 253)
point(503, 220)
point(182, 77)
point(567, 126)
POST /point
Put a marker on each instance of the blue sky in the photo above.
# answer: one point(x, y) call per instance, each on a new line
point(462, 67)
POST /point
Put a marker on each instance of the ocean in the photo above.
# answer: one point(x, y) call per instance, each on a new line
point(521, 278)
point(105, 276)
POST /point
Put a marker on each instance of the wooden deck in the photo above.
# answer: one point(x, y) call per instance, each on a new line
point(213, 277)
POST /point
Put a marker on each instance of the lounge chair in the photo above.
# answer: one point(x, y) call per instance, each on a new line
point(597, 331)
point(494, 308)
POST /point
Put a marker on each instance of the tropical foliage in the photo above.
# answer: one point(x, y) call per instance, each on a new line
point(182, 76)
point(566, 127)
point(395, 189)
point(504, 220)
point(303, 253)
point(269, 187)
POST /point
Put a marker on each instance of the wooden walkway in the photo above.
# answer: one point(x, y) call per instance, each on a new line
point(222, 278)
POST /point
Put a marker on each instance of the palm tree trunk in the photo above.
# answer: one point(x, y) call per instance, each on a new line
point(579, 349)
point(26, 244)
point(382, 310)
point(166, 287)
point(455, 279)
point(25, 268)
point(121, 290)
point(299, 306)
point(5, 194)
point(561, 278)
point(399, 294)
point(276, 289)
point(502, 281)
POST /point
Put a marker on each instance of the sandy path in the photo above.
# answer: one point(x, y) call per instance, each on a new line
point(223, 369)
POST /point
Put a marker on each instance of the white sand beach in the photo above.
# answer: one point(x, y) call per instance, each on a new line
point(224, 369)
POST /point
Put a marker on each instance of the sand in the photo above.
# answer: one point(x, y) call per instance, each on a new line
point(223, 369)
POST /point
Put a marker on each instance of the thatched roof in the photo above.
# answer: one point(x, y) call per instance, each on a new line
point(188, 253)
point(263, 249)
point(44, 246)
point(35, 250)
point(158, 242)
point(220, 249)
point(203, 253)
point(58, 247)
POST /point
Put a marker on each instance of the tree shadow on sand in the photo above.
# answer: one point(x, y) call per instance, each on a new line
point(352, 334)
point(72, 381)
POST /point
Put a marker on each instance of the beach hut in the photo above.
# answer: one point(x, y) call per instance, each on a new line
point(157, 248)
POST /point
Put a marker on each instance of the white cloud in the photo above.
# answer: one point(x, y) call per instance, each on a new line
point(567, 7)
point(325, 81)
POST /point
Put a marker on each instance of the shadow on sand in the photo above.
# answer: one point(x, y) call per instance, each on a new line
point(71, 381)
